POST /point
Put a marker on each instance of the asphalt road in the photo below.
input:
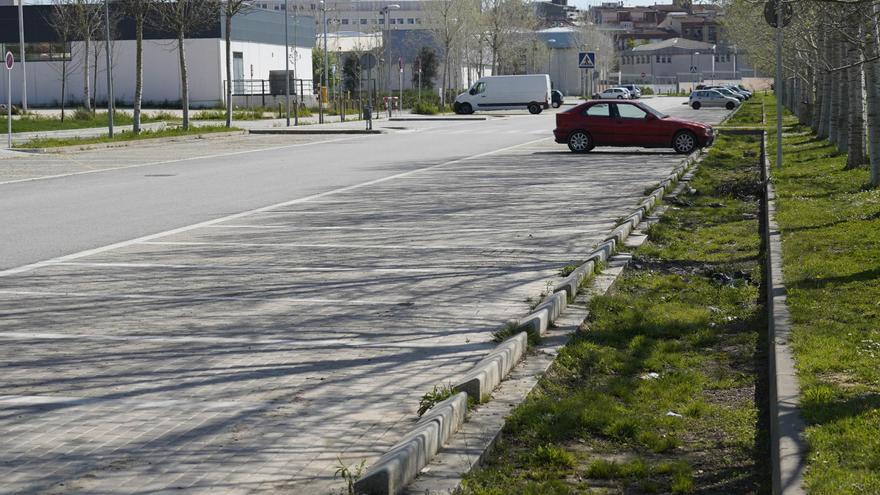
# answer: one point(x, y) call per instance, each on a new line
point(277, 309)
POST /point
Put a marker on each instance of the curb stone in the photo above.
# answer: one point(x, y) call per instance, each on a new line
point(787, 443)
point(132, 143)
point(400, 465)
point(488, 373)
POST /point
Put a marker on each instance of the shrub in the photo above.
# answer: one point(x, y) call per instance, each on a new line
point(425, 109)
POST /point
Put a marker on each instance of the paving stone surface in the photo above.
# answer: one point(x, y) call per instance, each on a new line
point(246, 356)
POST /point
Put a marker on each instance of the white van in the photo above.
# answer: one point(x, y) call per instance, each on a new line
point(531, 91)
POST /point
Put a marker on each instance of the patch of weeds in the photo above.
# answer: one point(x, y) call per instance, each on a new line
point(512, 328)
point(125, 136)
point(438, 394)
point(554, 456)
point(568, 269)
point(349, 474)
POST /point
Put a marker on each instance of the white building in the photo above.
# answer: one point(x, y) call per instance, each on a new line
point(257, 48)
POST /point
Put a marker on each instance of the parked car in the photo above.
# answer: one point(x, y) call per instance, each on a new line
point(745, 90)
point(711, 98)
point(627, 123)
point(531, 91)
point(634, 91)
point(556, 98)
point(618, 93)
point(728, 92)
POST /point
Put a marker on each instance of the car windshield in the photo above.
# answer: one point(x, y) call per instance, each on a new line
point(654, 112)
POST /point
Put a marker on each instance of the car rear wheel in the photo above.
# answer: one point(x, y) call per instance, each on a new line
point(556, 104)
point(730, 105)
point(684, 142)
point(534, 108)
point(695, 105)
point(619, 97)
point(580, 142)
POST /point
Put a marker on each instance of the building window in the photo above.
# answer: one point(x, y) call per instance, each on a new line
point(658, 59)
point(39, 52)
point(410, 21)
point(363, 21)
point(400, 21)
point(344, 21)
point(381, 21)
point(392, 21)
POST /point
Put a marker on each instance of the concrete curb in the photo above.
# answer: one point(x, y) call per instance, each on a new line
point(422, 119)
point(129, 144)
point(788, 446)
point(400, 465)
point(316, 131)
point(488, 373)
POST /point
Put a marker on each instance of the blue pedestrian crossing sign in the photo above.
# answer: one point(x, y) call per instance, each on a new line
point(587, 60)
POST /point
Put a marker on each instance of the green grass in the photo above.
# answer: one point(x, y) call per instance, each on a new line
point(123, 136)
point(680, 333)
point(77, 119)
point(830, 224)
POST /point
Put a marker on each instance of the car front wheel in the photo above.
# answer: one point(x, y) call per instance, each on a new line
point(684, 142)
point(695, 105)
point(465, 109)
point(730, 105)
point(580, 142)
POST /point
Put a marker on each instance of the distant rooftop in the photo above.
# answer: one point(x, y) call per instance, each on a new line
point(681, 43)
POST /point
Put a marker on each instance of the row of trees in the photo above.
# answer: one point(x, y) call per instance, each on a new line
point(84, 21)
point(831, 64)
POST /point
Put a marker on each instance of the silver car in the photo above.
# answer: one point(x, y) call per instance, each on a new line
point(711, 98)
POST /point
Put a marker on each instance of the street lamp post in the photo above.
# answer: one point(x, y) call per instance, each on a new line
point(734, 62)
point(109, 68)
point(326, 63)
point(24, 105)
point(385, 11)
point(287, 62)
point(713, 63)
point(699, 75)
point(550, 57)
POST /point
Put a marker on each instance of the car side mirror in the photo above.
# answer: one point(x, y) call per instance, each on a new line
point(473, 91)
point(650, 116)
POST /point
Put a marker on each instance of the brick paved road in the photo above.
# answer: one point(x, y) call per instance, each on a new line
point(244, 356)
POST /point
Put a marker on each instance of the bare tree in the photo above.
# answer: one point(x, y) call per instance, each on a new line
point(137, 10)
point(232, 8)
point(447, 19)
point(182, 17)
point(86, 20)
point(62, 23)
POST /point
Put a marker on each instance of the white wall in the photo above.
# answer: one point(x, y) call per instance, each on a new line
point(205, 65)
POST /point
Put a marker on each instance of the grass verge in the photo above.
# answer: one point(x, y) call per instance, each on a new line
point(830, 224)
point(79, 119)
point(123, 137)
point(657, 392)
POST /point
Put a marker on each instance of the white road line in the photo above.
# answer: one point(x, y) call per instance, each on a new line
point(177, 160)
point(109, 247)
point(299, 228)
point(279, 268)
point(345, 246)
point(153, 297)
point(39, 400)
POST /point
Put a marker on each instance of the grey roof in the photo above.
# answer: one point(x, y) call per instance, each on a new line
point(680, 43)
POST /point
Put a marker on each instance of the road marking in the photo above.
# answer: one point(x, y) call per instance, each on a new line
point(110, 247)
point(343, 246)
point(46, 400)
point(177, 160)
point(293, 300)
point(278, 268)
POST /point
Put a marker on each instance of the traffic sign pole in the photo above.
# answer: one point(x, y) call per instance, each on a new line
point(10, 61)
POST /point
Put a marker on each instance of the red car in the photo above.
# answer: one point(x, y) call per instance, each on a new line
point(628, 123)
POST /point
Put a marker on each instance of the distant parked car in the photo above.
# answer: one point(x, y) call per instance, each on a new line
point(634, 91)
point(627, 123)
point(556, 98)
point(728, 92)
point(614, 94)
point(711, 98)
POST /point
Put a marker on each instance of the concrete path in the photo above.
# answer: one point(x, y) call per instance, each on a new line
point(245, 353)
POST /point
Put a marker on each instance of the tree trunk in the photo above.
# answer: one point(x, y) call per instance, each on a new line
point(184, 84)
point(138, 72)
point(87, 101)
point(95, 75)
point(856, 142)
point(818, 100)
point(63, 86)
point(827, 92)
point(229, 68)
point(845, 104)
point(872, 85)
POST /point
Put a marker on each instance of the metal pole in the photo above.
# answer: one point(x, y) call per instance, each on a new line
point(296, 97)
point(778, 84)
point(9, 107)
point(287, 63)
point(400, 79)
point(24, 105)
point(326, 61)
point(109, 67)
